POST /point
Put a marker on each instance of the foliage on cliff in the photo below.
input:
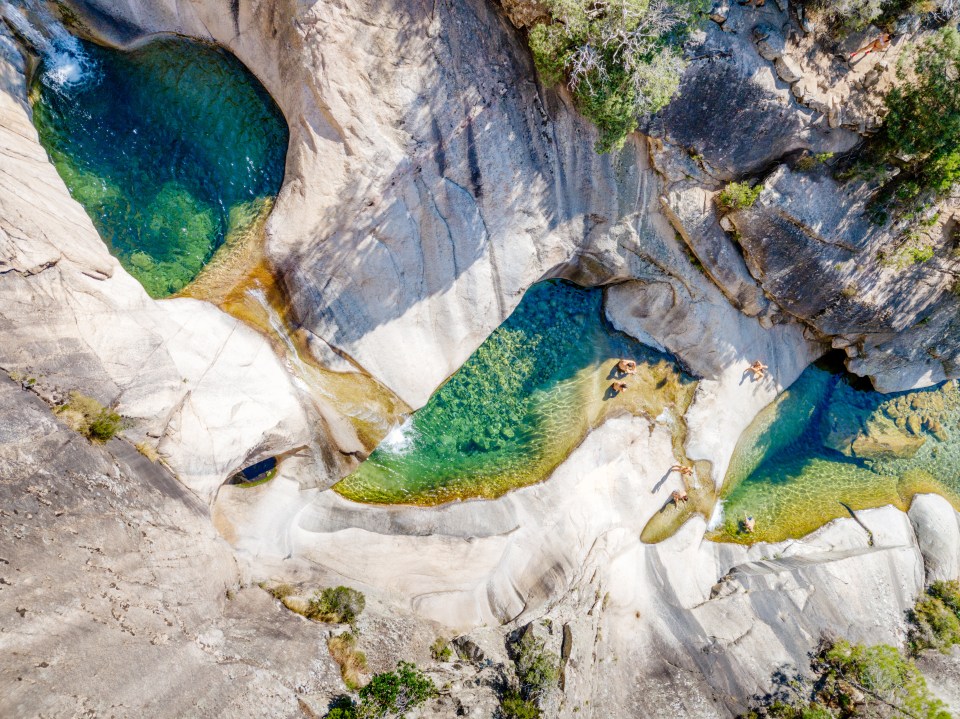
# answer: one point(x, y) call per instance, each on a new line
point(935, 620)
point(390, 694)
point(852, 680)
point(90, 418)
point(620, 58)
point(920, 136)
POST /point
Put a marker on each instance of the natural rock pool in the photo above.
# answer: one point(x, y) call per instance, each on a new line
point(826, 443)
point(520, 404)
point(169, 148)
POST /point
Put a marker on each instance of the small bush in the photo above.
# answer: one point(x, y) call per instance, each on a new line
point(852, 680)
point(514, 706)
point(738, 195)
point(935, 619)
point(336, 605)
point(537, 669)
point(87, 416)
point(809, 162)
point(353, 662)
point(440, 650)
point(395, 693)
point(621, 58)
point(278, 591)
point(148, 451)
point(920, 131)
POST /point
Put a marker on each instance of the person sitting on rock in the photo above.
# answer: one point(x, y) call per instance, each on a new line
point(626, 366)
point(618, 387)
point(678, 495)
point(878, 45)
point(682, 469)
point(758, 368)
point(749, 524)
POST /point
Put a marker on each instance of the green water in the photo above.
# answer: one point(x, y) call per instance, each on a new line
point(168, 147)
point(519, 405)
point(825, 443)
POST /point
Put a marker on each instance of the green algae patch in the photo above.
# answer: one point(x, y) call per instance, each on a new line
point(169, 148)
point(519, 405)
point(825, 446)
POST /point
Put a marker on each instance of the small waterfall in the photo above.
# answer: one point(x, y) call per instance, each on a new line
point(258, 295)
point(65, 64)
point(400, 439)
point(716, 518)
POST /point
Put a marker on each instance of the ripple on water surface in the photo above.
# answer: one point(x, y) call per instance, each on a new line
point(168, 147)
point(519, 405)
point(825, 444)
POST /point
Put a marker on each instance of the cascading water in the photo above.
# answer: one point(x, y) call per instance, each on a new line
point(170, 147)
point(65, 61)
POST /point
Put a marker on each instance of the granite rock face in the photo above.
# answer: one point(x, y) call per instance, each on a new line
point(429, 182)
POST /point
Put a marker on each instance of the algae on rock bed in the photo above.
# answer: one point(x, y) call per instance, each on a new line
point(166, 147)
point(520, 404)
point(825, 446)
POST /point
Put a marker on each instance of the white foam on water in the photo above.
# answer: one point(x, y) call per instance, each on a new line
point(65, 64)
point(716, 518)
point(400, 439)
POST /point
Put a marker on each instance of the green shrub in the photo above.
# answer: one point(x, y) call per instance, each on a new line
point(394, 693)
point(620, 58)
point(738, 195)
point(337, 605)
point(853, 680)
point(537, 669)
point(935, 620)
point(920, 135)
point(514, 706)
point(90, 418)
point(440, 650)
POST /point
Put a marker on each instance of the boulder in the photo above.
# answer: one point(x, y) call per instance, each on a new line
point(788, 69)
point(937, 526)
point(770, 42)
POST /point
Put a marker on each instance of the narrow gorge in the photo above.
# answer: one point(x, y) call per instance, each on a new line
point(490, 358)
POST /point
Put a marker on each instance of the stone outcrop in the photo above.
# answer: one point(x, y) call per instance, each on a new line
point(425, 191)
point(887, 299)
point(204, 389)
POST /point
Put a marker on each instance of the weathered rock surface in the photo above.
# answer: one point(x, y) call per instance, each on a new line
point(733, 111)
point(106, 610)
point(425, 191)
point(200, 385)
point(935, 523)
point(883, 294)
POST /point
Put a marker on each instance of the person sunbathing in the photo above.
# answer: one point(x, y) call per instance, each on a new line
point(626, 366)
point(678, 495)
point(758, 368)
point(878, 45)
point(682, 469)
point(618, 387)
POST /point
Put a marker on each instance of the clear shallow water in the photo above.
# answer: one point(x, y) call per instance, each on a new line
point(825, 443)
point(168, 147)
point(519, 405)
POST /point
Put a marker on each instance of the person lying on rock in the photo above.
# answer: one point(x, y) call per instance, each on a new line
point(618, 387)
point(878, 45)
point(678, 496)
point(682, 469)
point(758, 368)
point(626, 366)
